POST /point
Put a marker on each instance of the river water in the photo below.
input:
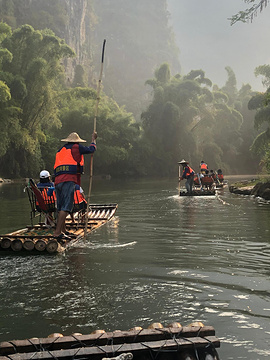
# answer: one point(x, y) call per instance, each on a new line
point(164, 258)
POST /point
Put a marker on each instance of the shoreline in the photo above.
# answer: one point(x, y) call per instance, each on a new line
point(260, 189)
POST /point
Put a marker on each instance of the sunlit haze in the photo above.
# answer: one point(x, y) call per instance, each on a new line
point(207, 41)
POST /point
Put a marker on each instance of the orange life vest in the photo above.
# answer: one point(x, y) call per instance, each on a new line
point(189, 171)
point(65, 162)
point(220, 177)
point(78, 197)
point(204, 166)
point(48, 200)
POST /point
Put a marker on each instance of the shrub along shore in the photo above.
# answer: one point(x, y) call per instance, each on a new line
point(254, 188)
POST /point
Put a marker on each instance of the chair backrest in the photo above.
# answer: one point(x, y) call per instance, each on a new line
point(32, 200)
point(49, 200)
point(39, 200)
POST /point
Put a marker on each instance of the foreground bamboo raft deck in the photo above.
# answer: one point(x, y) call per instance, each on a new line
point(40, 239)
point(156, 342)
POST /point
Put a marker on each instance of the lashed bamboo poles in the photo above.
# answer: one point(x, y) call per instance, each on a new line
point(95, 128)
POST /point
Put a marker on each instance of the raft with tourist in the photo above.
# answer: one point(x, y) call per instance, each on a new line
point(196, 184)
point(173, 341)
point(38, 236)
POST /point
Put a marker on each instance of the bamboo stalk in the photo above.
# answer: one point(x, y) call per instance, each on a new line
point(40, 245)
point(16, 245)
point(179, 179)
point(5, 243)
point(29, 244)
point(52, 246)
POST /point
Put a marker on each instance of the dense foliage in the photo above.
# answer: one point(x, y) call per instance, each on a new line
point(261, 103)
point(31, 72)
point(188, 118)
point(37, 109)
point(177, 116)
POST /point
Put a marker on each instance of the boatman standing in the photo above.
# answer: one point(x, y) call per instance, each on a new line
point(188, 174)
point(68, 168)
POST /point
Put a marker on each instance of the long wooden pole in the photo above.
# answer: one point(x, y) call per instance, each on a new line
point(95, 129)
point(179, 179)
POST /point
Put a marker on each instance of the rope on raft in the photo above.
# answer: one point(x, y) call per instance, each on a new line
point(194, 350)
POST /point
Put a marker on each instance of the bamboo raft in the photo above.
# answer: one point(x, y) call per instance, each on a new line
point(39, 238)
point(198, 192)
point(174, 342)
point(221, 185)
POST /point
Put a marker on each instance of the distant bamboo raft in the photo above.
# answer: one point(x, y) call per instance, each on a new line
point(198, 193)
point(191, 342)
point(39, 238)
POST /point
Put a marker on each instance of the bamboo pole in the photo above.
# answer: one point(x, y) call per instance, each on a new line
point(179, 180)
point(95, 128)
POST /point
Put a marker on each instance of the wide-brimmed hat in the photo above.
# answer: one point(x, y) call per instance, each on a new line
point(73, 137)
point(182, 162)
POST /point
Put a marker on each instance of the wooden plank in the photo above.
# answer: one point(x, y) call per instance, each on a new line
point(96, 352)
point(132, 336)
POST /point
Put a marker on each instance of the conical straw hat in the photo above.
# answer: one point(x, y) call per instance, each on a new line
point(183, 162)
point(74, 138)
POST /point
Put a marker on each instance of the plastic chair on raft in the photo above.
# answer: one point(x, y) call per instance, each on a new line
point(207, 182)
point(41, 204)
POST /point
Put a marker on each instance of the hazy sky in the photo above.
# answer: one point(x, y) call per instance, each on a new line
point(207, 41)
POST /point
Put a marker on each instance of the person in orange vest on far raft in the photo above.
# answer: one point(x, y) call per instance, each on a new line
point(203, 167)
point(68, 167)
point(188, 174)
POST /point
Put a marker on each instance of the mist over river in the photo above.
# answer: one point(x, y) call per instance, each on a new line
point(163, 258)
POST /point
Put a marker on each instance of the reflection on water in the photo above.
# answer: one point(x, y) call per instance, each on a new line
point(164, 258)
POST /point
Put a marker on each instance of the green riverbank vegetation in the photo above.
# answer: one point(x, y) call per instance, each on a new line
point(184, 115)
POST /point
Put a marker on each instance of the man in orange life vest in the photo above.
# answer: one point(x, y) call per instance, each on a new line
point(68, 168)
point(188, 174)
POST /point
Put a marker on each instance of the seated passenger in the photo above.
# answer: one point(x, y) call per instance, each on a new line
point(213, 175)
point(207, 181)
point(79, 199)
point(198, 179)
point(203, 167)
point(44, 185)
point(80, 204)
point(220, 176)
